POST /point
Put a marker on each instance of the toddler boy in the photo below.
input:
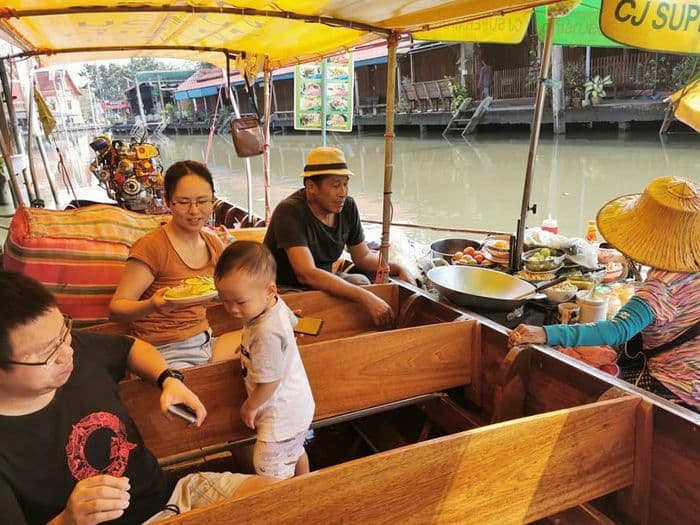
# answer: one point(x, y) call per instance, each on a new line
point(280, 405)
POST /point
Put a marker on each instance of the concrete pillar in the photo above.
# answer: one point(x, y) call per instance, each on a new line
point(558, 94)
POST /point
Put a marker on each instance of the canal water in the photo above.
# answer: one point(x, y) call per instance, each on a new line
point(463, 183)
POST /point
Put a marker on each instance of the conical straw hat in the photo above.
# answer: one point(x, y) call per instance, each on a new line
point(660, 227)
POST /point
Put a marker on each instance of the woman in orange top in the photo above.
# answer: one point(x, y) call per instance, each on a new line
point(164, 257)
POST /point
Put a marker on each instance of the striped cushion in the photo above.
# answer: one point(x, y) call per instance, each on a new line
point(78, 254)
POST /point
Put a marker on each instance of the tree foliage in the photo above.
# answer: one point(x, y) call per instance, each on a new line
point(109, 81)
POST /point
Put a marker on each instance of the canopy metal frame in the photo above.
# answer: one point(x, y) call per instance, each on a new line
point(195, 10)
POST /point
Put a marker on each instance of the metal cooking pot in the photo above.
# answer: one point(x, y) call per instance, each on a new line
point(482, 288)
point(446, 248)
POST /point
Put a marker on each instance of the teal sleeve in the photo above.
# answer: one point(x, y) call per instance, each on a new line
point(634, 317)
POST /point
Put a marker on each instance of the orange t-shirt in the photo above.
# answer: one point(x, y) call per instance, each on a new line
point(155, 251)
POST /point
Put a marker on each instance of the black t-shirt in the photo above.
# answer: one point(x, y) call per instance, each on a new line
point(292, 224)
point(84, 431)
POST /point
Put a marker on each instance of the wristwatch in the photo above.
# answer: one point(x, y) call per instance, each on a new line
point(169, 372)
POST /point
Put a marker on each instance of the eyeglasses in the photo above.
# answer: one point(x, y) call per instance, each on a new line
point(186, 205)
point(51, 351)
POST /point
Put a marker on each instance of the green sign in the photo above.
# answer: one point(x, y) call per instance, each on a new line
point(581, 27)
point(308, 94)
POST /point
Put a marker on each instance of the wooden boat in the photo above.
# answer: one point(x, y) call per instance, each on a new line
point(523, 434)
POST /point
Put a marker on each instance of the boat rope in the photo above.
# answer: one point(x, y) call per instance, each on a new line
point(212, 129)
point(383, 268)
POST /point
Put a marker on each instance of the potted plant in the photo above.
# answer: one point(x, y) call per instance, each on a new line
point(573, 82)
point(595, 88)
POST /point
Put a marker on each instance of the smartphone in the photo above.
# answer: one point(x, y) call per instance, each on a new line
point(308, 326)
point(183, 411)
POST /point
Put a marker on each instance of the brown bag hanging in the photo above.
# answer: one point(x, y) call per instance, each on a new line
point(247, 136)
point(246, 131)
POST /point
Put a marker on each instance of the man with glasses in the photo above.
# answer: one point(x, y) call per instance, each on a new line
point(69, 451)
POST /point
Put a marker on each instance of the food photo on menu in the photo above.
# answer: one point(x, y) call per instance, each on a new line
point(310, 71)
point(309, 103)
point(338, 104)
point(339, 89)
point(312, 89)
point(310, 120)
point(336, 120)
point(337, 71)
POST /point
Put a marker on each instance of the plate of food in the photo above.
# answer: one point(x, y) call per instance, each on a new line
point(192, 290)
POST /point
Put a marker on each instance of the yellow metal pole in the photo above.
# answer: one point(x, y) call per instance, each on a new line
point(387, 211)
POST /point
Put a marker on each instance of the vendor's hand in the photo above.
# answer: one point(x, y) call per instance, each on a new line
point(381, 313)
point(248, 414)
point(406, 276)
point(527, 334)
point(174, 392)
point(160, 303)
point(95, 500)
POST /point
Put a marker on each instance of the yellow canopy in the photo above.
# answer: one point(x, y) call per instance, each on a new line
point(506, 29)
point(291, 32)
point(686, 102)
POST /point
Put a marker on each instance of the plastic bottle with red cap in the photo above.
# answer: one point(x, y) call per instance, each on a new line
point(550, 225)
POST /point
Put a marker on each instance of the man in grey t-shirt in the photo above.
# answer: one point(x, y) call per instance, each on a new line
point(309, 230)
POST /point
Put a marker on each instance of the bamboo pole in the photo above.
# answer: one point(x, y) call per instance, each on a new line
point(35, 195)
point(387, 211)
point(267, 110)
point(14, 132)
point(534, 139)
point(6, 139)
point(6, 152)
point(7, 88)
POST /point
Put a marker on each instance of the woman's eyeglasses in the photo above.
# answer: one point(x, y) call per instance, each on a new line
point(186, 205)
point(51, 351)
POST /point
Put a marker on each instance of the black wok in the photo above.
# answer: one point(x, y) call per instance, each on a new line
point(482, 288)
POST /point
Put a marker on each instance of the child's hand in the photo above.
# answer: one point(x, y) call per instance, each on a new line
point(248, 415)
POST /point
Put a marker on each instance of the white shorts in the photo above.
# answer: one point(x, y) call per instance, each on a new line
point(278, 459)
point(197, 490)
point(193, 351)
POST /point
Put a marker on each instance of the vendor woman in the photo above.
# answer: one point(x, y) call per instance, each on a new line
point(659, 228)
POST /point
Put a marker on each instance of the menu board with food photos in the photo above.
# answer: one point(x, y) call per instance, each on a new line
point(308, 111)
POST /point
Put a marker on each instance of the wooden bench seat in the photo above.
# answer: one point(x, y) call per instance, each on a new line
point(341, 318)
point(513, 472)
point(346, 375)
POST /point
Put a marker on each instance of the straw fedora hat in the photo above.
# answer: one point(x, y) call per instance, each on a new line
point(325, 161)
point(660, 227)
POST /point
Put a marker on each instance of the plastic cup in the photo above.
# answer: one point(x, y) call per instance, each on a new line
point(568, 313)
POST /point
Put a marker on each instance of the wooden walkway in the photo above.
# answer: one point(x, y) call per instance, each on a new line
point(512, 112)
